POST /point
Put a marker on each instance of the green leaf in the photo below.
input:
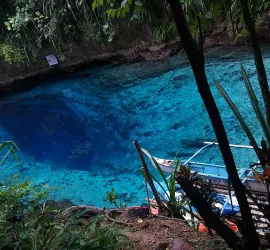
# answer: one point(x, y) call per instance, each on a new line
point(118, 13)
point(160, 171)
point(256, 106)
point(94, 5)
point(243, 33)
point(237, 114)
point(139, 8)
point(161, 186)
point(15, 145)
point(126, 8)
point(2, 145)
point(123, 13)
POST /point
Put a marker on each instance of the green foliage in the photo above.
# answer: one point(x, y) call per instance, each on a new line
point(175, 205)
point(12, 55)
point(115, 9)
point(112, 198)
point(26, 222)
point(164, 32)
point(256, 108)
point(109, 33)
point(18, 216)
point(239, 34)
point(11, 148)
point(236, 113)
point(30, 28)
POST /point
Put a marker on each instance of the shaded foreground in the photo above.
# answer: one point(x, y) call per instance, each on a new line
point(149, 231)
point(163, 233)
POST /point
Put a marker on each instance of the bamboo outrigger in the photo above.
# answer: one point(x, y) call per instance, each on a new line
point(219, 178)
point(217, 173)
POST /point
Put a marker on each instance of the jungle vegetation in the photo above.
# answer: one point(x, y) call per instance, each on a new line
point(29, 28)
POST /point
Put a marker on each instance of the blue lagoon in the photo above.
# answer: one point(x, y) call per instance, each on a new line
point(77, 133)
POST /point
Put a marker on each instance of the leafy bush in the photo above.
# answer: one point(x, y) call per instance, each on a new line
point(26, 222)
point(12, 55)
point(112, 198)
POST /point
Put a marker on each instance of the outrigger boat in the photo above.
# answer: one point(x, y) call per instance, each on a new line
point(219, 178)
point(216, 173)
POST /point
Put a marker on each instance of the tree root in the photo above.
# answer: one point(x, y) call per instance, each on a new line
point(91, 211)
point(109, 218)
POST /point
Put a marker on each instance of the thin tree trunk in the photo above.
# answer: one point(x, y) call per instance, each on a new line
point(196, 59)
point(149, 177)
point(205, 211)
point(257, 57)
point(200, 32)
point(231, 17)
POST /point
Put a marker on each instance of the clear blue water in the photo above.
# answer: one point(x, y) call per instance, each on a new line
point(77, 133)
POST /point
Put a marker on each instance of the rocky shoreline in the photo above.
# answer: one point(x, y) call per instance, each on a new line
point(132, 45)
point(24, 79)
point(15, 79)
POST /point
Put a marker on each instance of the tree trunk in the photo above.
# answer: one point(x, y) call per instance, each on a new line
point(200, 32)
point(205, 211)
point(257, 57)
point(231, 17)
point(196, 59)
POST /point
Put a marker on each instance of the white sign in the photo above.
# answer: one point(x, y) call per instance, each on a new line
point(52, 60)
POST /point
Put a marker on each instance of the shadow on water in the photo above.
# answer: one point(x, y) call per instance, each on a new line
point(47, 129)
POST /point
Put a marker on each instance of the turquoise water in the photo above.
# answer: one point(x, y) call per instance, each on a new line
point(77, 133)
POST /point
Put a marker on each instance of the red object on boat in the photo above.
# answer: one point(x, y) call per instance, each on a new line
point(154, 210)
point(204, 229)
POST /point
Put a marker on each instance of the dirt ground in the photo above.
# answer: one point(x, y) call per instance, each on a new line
point(161, 233)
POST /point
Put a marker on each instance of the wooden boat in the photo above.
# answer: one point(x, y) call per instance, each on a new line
point(216, 173)
point(219, 177)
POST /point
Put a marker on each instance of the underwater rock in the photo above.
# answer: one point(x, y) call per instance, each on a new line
point(113, 180)
point(180, 78)
point(148, 133)
point(177, 125)
point(124, 197)
point(240, 79)
point(142, 104)
point(197, 143)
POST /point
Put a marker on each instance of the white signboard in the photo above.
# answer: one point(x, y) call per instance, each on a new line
point(52, 60)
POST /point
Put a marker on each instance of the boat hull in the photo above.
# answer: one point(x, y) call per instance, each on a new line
point(251, 185)
point(216, 173)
